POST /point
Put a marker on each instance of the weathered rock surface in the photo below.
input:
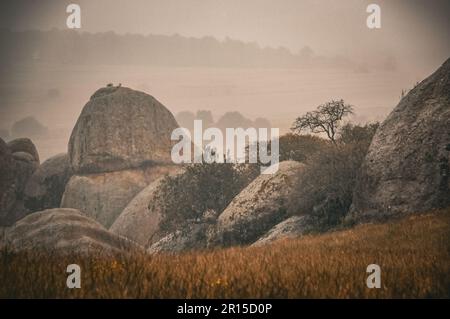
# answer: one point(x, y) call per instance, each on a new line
point(24, 145)
point(190, 237)
point(293, 227)
point(23, 169)
point(259, 207)
point(64, 230)
point(25, 157)
point(103, 196)
point(140, 220)
point(406, 169)
point(118, 129)
point(18, 161)
point(46, 186)
point(7, 191)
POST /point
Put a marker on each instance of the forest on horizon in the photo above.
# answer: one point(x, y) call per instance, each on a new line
point(73, 47)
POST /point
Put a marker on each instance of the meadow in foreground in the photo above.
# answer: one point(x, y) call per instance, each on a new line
point(413, 253)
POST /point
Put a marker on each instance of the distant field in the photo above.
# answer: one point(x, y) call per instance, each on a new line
point(413, 253)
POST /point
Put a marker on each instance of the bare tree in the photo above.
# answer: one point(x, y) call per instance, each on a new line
point(326, 119)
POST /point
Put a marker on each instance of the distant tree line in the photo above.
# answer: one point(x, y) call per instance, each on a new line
point(73, 47)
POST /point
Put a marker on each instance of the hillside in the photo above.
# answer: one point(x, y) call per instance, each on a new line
point(413, 253)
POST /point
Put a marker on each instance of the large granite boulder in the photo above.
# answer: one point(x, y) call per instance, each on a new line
point(259, 207)
point(66, 231)
point(120, 128)
point(103, 196)
point(140, 220)
point(293, 227)
point(406, 169)
point(46, 186)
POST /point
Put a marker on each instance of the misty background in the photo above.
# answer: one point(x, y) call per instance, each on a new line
point(269, 60)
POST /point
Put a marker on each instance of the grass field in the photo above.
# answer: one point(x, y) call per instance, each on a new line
point(413, 253)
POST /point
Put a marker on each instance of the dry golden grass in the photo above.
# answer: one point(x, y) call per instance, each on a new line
point(414, 255)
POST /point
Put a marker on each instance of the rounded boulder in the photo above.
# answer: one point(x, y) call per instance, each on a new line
point(120, 128)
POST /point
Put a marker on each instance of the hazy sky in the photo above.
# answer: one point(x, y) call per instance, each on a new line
point(418, 29)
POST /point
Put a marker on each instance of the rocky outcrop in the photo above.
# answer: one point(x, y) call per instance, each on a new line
point(7, 187)
point(293, 227)
point(66, 231)
point(119, 145)
point(46, 186)
point(103, 196)
point(259, 207)
point(140, 220)
point(26, 159)
point(18, 161)
point(24, 145)
point(407, 166)
point(23, 169)
point(118, 129)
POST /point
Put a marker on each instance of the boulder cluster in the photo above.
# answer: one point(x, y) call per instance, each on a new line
point(119, 145)
point(106, 193)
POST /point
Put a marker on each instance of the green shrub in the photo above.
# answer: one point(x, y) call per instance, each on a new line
point(325, 188)
point(201, 188)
